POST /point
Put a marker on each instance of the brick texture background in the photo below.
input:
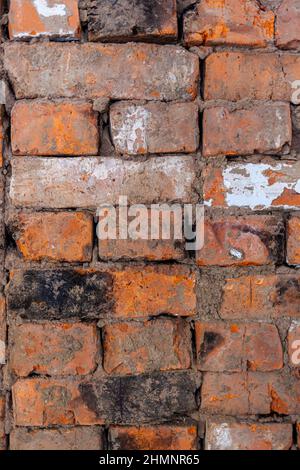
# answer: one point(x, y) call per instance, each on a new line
point(143, 345)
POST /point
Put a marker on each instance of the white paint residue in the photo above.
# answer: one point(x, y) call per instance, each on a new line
point(2, 352)
point(43, 9)
point(247, 185)
point(222, 437)
point(131, 137)
point(236, 253)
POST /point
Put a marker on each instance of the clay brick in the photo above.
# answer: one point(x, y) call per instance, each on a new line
point(2, 330)
point(284, 391)
point(2, 135)
point(135, 348)
point(59, 294)
point(287, 22)
point(255, 185)
point(233, 347)
point(88, 182)
point(77, 438)
point(149, 292)
point(241, 241)
point(149, 71)
point(293, 241)
point(62, 236)
point(245, 75)
point(165, 437)
point(44, 402)
point(132, 20)
point(38, 18)
point(2, 423)
point(262, 129)
point(261, 297)
point(293, 340)
point(228, 435)
point(59, 128)
point(298, 434)
point(138, 129)
point(61, 349)
point(228, 22)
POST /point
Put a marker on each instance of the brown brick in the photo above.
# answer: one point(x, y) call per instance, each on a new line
point(287, 22)
point(61, 349)
point(150, 71)
point(262, 129)
point(298, 434)
point(246, 75)
point(2, 135)
point(29, 19)
point(242, 241)
point(255, 185)
point(233, 347)
point(132, 20)
point(261, 297)
point(162, 437)
point(2, 330)
point(293, 241)
point(77, 438)
point(59, 128)
point(228, 22)
point(293, 340)
point(62, 182)
point(229, 435)
point(2, 423)
point(141, 129)
point(62, 236)
point(135, 348)
point(149, 292)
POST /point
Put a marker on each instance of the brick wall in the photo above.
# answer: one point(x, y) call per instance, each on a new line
point(127, 344)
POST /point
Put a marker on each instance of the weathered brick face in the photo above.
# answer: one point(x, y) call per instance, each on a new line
point(117, 343)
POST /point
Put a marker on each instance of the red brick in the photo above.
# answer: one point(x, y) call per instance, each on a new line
point(229, 435)
point(241, 241)
point(255, 185)
point(54, 349)
point(77, 438)
point(29, 18)
point(233, 347)
point(2, 330)
point(54, 128)
point(261, 297)
point(287, 23)
point(132, 20)
point(162, 437)
point(150, 292)
point(2, 423)
point(293, 340)
point(150, 71)
point(45, 402)
point(246, 75)
point(88, 182)
point(293, 241)
point(141, 129)
point(135, 348)
point(261, 129)
point(62, 236)
point(228, 22)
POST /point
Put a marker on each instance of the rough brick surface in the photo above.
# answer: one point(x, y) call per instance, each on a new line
point(228, 22)
point(224, 435)
point(62, 236)
point(2, 330)
point(148, 346)
point(145, 129)
point(132, 20)
point(39, 18)
point(54, 128)
point(2, 423)
point(287, 32)
point(293, 241)
point(153, 437)
point(294, 344)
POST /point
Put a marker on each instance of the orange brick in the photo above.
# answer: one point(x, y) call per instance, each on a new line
point(262, 129)
point(135, 348)
point(54, 349)
point(287, 22)
point(228, 22)
point(242, 241)
point(261, 297)
point(293, 340)
point(62, 236)
point(293, 241)
point(54, 128)
point(36, 18)
point(2, 423)
point(233, 347)
point(148, 292)
point(163, 437)
point(230, 435)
